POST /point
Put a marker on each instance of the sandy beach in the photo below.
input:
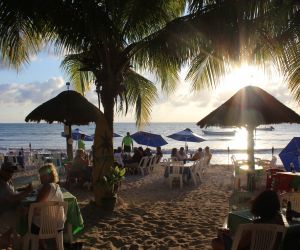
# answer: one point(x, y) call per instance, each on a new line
point(150, 215)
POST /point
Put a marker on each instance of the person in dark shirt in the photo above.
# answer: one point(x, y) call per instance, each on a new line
point(9, 201)
point(266, 206)
point(159, 153)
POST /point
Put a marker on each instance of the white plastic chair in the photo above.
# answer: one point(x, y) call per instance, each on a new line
point(152, 162)
point(293, 197)
point(195, 173)
point(175, 174)
point(143, 165)
point(263, 236)
point(50, 223)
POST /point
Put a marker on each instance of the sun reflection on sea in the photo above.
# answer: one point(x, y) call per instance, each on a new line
point(240, 139)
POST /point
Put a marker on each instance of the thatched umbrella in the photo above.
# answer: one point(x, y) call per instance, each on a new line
point(250, 107)
point(69, 107)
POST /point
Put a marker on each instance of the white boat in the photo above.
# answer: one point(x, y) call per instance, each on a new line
point(266, 128)
point(219, 132)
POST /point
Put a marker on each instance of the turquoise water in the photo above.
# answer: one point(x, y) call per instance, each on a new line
point(48, 136)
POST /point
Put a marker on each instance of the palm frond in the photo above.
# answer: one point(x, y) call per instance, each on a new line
point(140, 93)
point(20, 39)
point(80, 76)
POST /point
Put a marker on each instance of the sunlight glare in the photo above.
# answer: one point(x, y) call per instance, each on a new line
point(240, 139)
point(243, 76)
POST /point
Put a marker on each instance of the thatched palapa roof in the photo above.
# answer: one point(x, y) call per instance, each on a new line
point(68, 107)
point(250, 106)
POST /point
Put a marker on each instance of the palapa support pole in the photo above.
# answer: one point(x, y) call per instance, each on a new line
point(251, 162)
point(69, 141)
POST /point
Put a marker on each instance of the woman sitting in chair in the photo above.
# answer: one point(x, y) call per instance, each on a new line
point(48, 191)
point(80, 167)
point(266, 206)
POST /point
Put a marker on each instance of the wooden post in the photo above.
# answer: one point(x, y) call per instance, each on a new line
point(68, 141)
point(251, 162)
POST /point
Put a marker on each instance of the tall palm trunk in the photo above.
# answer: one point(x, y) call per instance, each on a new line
point(103, 146)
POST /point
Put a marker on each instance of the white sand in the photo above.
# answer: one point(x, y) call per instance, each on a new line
point(152, 216)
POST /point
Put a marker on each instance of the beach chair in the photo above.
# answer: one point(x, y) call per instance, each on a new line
point(195, 174)
point(175, 175)
point(151, 163)
point(293, 197)
point(51, 214)
point(143, 167)
point(236, 172)
point(263, 236)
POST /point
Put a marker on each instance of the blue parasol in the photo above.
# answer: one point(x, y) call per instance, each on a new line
point(186, 135)
point(77, 133)
point(148, 139)
point(290, 154)
point(116, 135)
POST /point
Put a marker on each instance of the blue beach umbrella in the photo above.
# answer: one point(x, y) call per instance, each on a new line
point(186, 135)
point(77, 133)
point(148, 139)
point(290, 154)
point(116, 135)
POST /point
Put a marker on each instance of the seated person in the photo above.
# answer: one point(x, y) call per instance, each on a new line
point(80, 167)
point(147, 152)
point(266, 206)
point(198, 155)
point(118, 157)
point(134, 161)
point(207, 155)
point(48, 191)
point(174, 154)
point(159, 153)
point(136, 157)
point(181, 155)
point(9, 201)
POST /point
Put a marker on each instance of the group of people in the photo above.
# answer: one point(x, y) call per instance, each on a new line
point(10, 200)
point(124, 158)
point(180, 155)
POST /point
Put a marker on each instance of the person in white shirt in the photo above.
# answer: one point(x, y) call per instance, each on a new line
point(48, 191)
point(181, 155)
point(207, 155)
point(118, 157)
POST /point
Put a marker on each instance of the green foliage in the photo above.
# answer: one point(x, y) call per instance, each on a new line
point(112, 179)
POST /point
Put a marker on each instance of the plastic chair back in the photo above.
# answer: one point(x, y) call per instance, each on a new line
point(51, 214)
point(294, 198)
point(263, 236)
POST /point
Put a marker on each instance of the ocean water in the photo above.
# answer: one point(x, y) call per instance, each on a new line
point(48, 136)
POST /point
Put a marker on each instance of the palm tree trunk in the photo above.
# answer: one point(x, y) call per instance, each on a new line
point(103, 148)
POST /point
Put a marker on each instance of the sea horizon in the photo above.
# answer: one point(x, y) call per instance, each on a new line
point(44, 136)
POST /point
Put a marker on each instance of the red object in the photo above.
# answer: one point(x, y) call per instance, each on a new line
point(271, 177)
point(283, 181)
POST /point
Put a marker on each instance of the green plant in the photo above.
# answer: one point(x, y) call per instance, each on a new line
point(112, 180)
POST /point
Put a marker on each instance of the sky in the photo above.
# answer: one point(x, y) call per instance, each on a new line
point(42, 79)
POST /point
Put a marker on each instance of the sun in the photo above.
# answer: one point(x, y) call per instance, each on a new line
point(244, 75)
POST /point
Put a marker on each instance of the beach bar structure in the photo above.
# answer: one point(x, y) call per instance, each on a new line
point(69, 108)
point(250, 107)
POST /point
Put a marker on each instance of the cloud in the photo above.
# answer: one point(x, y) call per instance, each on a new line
point(18, 99)
point(35, 93)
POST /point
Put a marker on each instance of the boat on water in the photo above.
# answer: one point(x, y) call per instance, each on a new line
point(271, 128)
point(219, 132)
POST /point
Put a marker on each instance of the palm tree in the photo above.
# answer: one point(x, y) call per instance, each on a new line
point(110, 42)
point(253, 31)
point(104, 42)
